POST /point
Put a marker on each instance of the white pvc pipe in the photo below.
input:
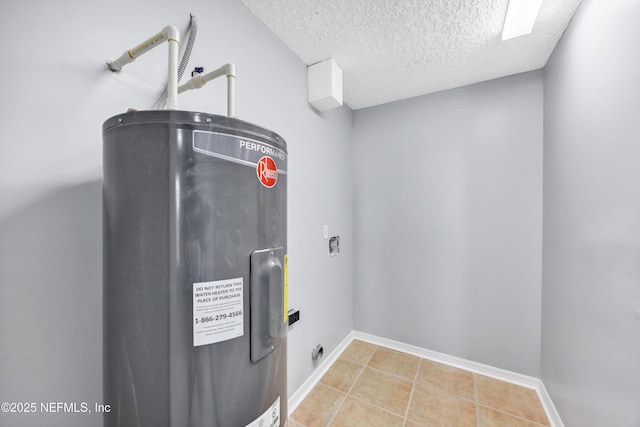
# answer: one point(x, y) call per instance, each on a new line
point(231, 95)
point(195, 82)
point(231, 89)
point(199, 80)
point(172, 79)
point(170, 34)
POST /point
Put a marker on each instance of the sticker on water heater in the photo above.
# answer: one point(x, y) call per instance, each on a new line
point(267, 171)
point(285, 291)
point(217, 311)
point(244, 151)
point(270, 417)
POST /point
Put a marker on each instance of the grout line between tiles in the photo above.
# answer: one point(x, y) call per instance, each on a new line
point(348, 393)
point(333, 388)
point(414, 383)
point(375, 406)
point(344, 399)
point(413, 387)
point(389, 373)
point(502, 411)
point(456, 362)
point(338, 408)
point(475, 397)
point(358, 376)
point(371, 357)
point(512, 415)
point(447, 393)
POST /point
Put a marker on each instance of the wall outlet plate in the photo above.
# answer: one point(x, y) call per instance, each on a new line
point(294, 316)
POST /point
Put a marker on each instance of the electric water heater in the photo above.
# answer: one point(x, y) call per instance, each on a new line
point(195, 271)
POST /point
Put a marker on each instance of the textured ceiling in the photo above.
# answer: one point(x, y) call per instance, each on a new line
point(396, 49)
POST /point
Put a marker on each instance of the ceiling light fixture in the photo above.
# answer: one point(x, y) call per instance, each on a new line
point(521, 15)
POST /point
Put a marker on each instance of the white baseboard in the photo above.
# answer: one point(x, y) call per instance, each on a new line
point(549, 407)
point(513, 377)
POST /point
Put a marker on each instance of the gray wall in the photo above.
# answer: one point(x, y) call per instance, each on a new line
point(448, 221)
point(591, 263)
point(56, 93)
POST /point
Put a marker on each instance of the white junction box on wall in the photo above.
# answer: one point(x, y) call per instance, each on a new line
point(324, 85)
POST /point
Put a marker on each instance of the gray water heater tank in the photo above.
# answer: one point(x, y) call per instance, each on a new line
point(195, 271)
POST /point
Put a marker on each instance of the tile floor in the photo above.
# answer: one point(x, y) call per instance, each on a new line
point(371, 386)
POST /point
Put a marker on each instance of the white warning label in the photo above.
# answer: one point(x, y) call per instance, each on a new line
point(270, 418)
point(217, 311)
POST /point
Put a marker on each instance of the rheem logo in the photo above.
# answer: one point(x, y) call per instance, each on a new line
point(267, 171)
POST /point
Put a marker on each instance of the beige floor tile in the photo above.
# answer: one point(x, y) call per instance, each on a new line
point(396, 363)
point(430, 406)
point(356, 413)
point(318, 407)
point(443, 396)
point(342, 374)
point(359, 352)
point(384, 390)
point(491, 418)
point(513, 399)
point(452, 380)
point(293, 423)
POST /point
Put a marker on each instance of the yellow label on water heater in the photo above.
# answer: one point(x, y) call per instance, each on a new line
point(286, 290)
